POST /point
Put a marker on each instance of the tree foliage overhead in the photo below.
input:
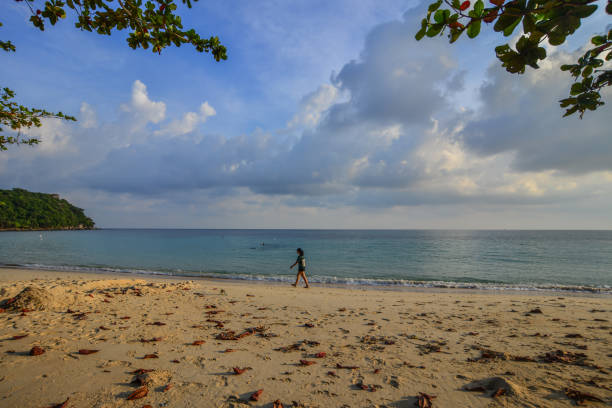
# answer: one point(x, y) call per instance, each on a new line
point(542, 20)
point(21, 209)
point(150, 24)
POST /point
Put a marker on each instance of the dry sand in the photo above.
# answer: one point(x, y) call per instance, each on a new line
point(530, 347)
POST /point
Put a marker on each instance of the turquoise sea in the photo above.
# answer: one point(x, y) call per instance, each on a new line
point(512, 260)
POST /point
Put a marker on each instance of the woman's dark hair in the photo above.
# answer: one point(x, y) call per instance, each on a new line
point(301, 251)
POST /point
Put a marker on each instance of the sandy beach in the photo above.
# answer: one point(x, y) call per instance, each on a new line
point(99, 340)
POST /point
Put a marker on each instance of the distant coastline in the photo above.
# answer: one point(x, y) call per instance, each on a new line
point(49, 229)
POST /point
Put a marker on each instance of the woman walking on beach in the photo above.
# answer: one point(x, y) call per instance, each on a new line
point(301, 263)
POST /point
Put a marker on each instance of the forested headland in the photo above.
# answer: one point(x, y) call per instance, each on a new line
point(24, 210)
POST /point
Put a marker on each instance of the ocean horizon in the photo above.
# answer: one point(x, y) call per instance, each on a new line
point(571, 260)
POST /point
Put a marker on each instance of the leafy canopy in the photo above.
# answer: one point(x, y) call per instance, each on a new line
point(151, 24)
point(22, 209)
point(542, 20)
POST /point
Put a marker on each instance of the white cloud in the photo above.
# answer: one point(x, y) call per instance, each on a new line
point(314, 105)
point(189, 122)
point(88, 118)
point(142, 107)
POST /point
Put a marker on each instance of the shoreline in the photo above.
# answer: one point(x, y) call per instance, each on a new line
point(282, 280)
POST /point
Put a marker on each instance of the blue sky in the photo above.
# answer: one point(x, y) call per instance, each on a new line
point(325, 115)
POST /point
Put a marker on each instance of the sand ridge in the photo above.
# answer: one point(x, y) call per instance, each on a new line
point(206, 343)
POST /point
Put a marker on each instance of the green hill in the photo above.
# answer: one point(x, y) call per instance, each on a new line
point(23, 210)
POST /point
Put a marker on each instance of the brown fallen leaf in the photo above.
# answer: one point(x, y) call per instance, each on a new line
point(153, 340)
point(332, 374)
point(424, 400)
point(125, 317)
point(307, 363)
point(147, 406)
point(366, 387)
point(309, 325)
point(499, 392)
point(19, 336)
point(150, 356)
point(293, 347)
point(278, 404)
point(103, 328)
point(238, 370)
point(581, 397)
point(198, 343)
point(339, 366)
point(376, 371)
point(255, 396)
point(37, 351)
point(229, 350)
point(175, 361)
point(61, 404)
point(320, 354)
point(168, 387)
point(157, 324)
point(139, 393)
point(87, 351)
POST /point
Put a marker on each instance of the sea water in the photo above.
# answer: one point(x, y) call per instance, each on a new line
point(520, 260)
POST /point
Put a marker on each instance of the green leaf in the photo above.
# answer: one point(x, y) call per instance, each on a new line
point(479, 7)
point(506, 23)
point(441, 16)
point(508, 30)
point(434, 30)
point(587, 71)
point(420, 34)
point(576, 88)
point(598, 40)
point(473, 29)
point(556, 37)
point(455, 34)
point(529, 24)
point(434, 6)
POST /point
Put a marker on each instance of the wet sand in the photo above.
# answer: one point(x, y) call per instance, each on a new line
point(216, 343)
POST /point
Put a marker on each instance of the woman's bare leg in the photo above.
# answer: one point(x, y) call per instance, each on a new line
point(305, 279)
point(297, 279)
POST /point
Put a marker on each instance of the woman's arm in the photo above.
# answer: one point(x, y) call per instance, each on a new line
point(295, 263)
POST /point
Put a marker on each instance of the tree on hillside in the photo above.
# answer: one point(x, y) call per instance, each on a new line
point(152, 24)
point(543, 20)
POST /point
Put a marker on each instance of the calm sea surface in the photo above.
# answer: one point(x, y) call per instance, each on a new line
point(538, 260)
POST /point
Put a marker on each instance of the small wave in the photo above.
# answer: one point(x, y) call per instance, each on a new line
point(331, 280)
